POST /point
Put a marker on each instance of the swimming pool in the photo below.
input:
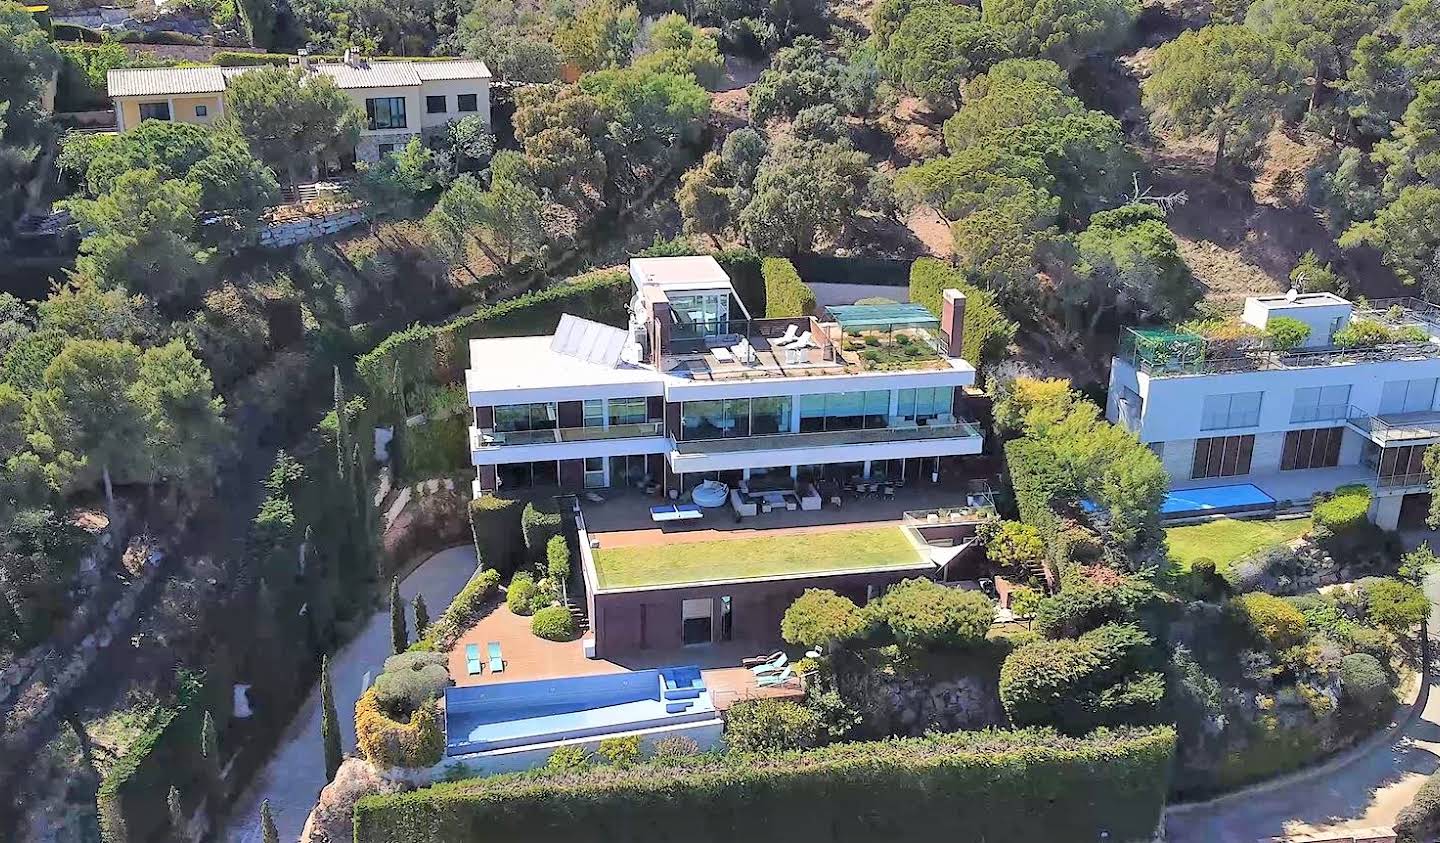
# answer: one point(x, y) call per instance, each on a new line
point(479, 718)
point(1216, 500)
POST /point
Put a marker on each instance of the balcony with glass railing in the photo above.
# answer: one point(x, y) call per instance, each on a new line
point(487, 438)
point(1396, 428)
point(902, 432)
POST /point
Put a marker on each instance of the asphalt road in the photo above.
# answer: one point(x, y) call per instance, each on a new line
point(295, 774)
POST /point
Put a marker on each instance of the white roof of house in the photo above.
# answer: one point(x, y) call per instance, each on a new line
point(691, 272)
point(173, 81)
point(527, 364)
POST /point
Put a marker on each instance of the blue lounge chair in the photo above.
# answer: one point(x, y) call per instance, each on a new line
point(775, 678)
point(472, 659)
point(772, 666)
point(497, 664)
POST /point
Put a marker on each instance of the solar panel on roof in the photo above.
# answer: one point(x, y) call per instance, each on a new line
point(588, 341)
point(882, 315)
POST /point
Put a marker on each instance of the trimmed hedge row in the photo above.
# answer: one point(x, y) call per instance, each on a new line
point(1028, 784)
point(1348, 509)
point(539, 523)
point(785, 294)
point(987, 332)
point(436, 354)
point(1038, 481)
point(469, 606)
point(499, 539)
point(388, 743)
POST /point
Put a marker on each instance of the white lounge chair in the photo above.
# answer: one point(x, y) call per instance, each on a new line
point(775, 665)
point(802, 341)
point(772, 679)
point(785, 339)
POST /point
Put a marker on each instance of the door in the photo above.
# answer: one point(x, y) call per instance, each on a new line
point(1413, 511)
point(696, 619)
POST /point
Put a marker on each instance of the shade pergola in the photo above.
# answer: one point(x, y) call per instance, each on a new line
point(883, 317)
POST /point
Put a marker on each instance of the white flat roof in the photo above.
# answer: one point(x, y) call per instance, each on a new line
point(691, 272)
point(522, 365)
point(1300, 300)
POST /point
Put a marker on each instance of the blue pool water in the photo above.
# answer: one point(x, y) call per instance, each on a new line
point(1217, 499)
point(509, 714)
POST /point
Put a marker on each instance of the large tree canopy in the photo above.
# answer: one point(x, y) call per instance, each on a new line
point(936, 47)
point(27, 58)
point(1064, 31)
point(290, 117)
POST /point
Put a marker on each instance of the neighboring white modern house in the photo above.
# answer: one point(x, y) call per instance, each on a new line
point(1296, 422)
point(401, 98)
point(697, 389)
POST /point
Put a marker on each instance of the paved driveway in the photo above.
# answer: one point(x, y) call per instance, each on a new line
point(1366, 791)
point(293, 777)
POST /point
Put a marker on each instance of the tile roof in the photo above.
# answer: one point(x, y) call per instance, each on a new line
point(173, 81)
point(164, 81)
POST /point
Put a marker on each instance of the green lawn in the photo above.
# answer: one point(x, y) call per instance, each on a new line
point(1227, 540)
point(730, 559)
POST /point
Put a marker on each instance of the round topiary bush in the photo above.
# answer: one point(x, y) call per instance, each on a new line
point(1348, 509)
point(923, 613)
point(1277, 621)
point(554, 623)
point(520, 596)
point(819, 617)
point(386, 742)
point(1364, 684)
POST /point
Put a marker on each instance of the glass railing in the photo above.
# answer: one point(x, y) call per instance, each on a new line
point(1396, 481)
point(1396, 427)
point(480, 438)
point(894, 433)
point(1322, 412)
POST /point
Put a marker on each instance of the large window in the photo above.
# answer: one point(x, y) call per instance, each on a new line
point(594, 472)
point(1315, 448)
point(594, 412)
point(701, 315)
point(466, 102)
point(1320, 403)
point(435, 104)
point(628, 410)
point(154, 111)
point(922, 405)
point(771, 415)
point(528, 475)
point(1402, 466)
point(733, 417)
point(385, 112)
point(1411, 396)
point(844, 411)
point(512, 417)
point(1239, 409)
point(1222, 456)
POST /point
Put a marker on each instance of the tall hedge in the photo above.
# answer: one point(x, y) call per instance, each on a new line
point(993, 785)
point(430, 355)
point(785, 294)
point(1038, 481)
point(539, 523)
point(987, 332)
point(499, 541)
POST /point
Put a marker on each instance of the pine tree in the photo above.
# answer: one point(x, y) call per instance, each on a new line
point(177, 815)
point(329, 722)
point(422, 616)
point(268, 832)
point(399, 637)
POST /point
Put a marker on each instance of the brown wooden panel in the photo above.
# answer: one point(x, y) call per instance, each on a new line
point(1290, 457)
point(1247, 450)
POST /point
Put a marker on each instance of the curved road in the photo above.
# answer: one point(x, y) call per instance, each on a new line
point(294, 775)
point(1367, 790)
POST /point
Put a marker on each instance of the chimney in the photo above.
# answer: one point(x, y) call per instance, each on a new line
point(659, 333)
point(952, 321)
point(347, 58)
point(303, 56)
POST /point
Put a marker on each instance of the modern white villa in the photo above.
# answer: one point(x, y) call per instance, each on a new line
point(1239, 411)
point(698, 389)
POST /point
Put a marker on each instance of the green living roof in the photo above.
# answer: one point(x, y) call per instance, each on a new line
point(886, 316)
point(677, 562)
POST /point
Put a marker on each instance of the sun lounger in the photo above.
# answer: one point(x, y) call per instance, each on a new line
point(791, 331)
point(772, 679)
point(756, 661)
point(770, 667)
point(497, 664)
point(472, 659)
point(675, 512)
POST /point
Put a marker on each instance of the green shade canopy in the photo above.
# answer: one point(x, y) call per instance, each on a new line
point(882, 317)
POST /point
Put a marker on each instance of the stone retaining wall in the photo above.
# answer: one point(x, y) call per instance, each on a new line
point(292, 232)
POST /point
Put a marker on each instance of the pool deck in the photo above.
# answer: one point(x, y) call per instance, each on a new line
point(1298, 486)
point(528, 657)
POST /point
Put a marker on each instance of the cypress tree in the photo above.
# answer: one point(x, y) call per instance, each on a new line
point(329, 722)
point(422, 616)
point(342, 431)
point(177, 815)
point(268, 832)
point(210, 756)
point(399, 637)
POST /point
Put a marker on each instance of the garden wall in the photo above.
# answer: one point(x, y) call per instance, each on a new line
point(1002, 785)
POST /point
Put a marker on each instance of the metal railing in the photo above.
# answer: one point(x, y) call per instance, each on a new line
point(1395, 427)
point(485, 438)
point(1397, 481)
point(903, 433)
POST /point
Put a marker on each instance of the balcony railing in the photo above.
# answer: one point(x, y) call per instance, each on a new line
point(1322, 412)
point(1396, 427)
point(1398, 481)
point(485, 438)
point(897, 433)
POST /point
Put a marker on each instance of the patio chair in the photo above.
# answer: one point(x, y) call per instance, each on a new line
point(803, 341)
point(773, 679)
point(791, 332)
point(772, 666)
point(472, 659)
point(754, 661)
point(497, 664)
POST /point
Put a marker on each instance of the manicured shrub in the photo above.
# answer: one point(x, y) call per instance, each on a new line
point(1079, 607)
point(987, 332)
point(1286, 333)
point(386, 742)
point(498, 540)
point(414, 660)
point(621, 751)
point(520, 596)
point(539, 523)
point(924, 614)
point(1419, 822)
point(1017, 785)
point(785, 294)
point(770, 725)
point(557, 558)
point(1365, 684)
point(568, 759)
point(1276, 621)
point(401, 692)
point(554, 623)
point(469, 606)
point(1395, 605)
point(1099, 679)
point(1024, 601)
point(1348, 509)
point(820, 617)
point(1039, 481)
point(1011, 545)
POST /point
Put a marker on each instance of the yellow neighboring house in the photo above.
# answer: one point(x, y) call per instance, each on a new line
point(401, 99)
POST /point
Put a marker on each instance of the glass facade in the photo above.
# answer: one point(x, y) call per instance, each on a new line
point(1320, 403)
point(513, 417)
point(1410, 396)
point(628, 410)
point(1239, 409)
point(921, 405)
point(844, 411)
point(734, 417)
point(385, 112)
point(701, 314)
